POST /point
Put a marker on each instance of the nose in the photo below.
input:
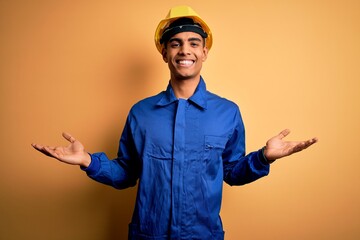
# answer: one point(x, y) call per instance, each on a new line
point(185, 49)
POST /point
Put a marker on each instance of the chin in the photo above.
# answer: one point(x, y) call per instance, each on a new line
point(184, 77)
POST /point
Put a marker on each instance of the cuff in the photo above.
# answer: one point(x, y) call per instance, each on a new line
point(94, 165)
point(262, 160)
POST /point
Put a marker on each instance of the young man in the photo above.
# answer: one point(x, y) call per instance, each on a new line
point(179, 145)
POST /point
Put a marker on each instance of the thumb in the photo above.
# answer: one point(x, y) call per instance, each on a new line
point(283, 133)
point(68, 137)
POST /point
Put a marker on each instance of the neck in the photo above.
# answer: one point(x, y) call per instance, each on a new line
point(184, 88)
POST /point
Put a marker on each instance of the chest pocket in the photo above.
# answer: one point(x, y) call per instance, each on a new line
point(214, 147)
point(159, 152)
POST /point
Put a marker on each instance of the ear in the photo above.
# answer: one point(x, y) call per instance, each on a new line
point(205, 54)
point(164, 54)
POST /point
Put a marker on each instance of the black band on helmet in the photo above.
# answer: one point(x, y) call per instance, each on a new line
point(182, 25)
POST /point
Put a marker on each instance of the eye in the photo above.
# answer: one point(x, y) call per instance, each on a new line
point(175, 44)
point(194, 44)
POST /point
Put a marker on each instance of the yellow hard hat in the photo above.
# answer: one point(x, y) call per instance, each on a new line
point(176, 13)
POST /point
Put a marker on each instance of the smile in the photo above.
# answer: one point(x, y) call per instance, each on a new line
point(185, 63)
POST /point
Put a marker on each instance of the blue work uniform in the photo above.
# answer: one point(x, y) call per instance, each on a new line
point(180, 151)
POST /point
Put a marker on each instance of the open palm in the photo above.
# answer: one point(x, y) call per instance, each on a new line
point(73, 154)
point(277, 148)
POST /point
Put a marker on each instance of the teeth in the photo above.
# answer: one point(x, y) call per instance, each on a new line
point(186, 62)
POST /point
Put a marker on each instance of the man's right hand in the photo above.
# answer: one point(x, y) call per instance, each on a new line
point(74, 153)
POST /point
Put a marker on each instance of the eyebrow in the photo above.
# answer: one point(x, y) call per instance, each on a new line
point(181, 40)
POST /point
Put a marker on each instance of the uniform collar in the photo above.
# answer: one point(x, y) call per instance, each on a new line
point(198, 98)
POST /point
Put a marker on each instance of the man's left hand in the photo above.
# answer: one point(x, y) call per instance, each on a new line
point(277, 148)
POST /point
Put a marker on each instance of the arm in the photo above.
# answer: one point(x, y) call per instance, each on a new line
point(240, 169)
point(121, 172)
point(73, 154)
point(256, 164)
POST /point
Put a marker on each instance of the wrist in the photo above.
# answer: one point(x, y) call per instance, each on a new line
point(266, 156)
point(86, 160)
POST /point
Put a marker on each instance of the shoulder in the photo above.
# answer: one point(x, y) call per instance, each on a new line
point(146, 104)
point(217, 101)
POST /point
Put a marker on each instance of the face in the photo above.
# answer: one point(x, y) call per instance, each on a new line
point(184, 53)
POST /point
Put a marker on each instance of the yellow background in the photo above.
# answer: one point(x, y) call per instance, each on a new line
point(78, 66)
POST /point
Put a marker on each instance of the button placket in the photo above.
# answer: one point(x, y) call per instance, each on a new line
point(177, 169)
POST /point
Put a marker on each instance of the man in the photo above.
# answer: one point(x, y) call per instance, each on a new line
point(179, 145)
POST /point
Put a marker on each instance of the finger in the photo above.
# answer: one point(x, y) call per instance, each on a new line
point(311, 142)
point(314, 140)
point(299, 147)
point(51, 152)
point(42, 149)
point(284, 133)
point(303, 145)
point(68, 137)
point(36, 146)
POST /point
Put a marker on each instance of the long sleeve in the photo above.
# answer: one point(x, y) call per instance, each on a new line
point(239, 168)
point(121, 172)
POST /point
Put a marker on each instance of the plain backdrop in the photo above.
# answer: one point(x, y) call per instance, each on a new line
point(78, 66)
